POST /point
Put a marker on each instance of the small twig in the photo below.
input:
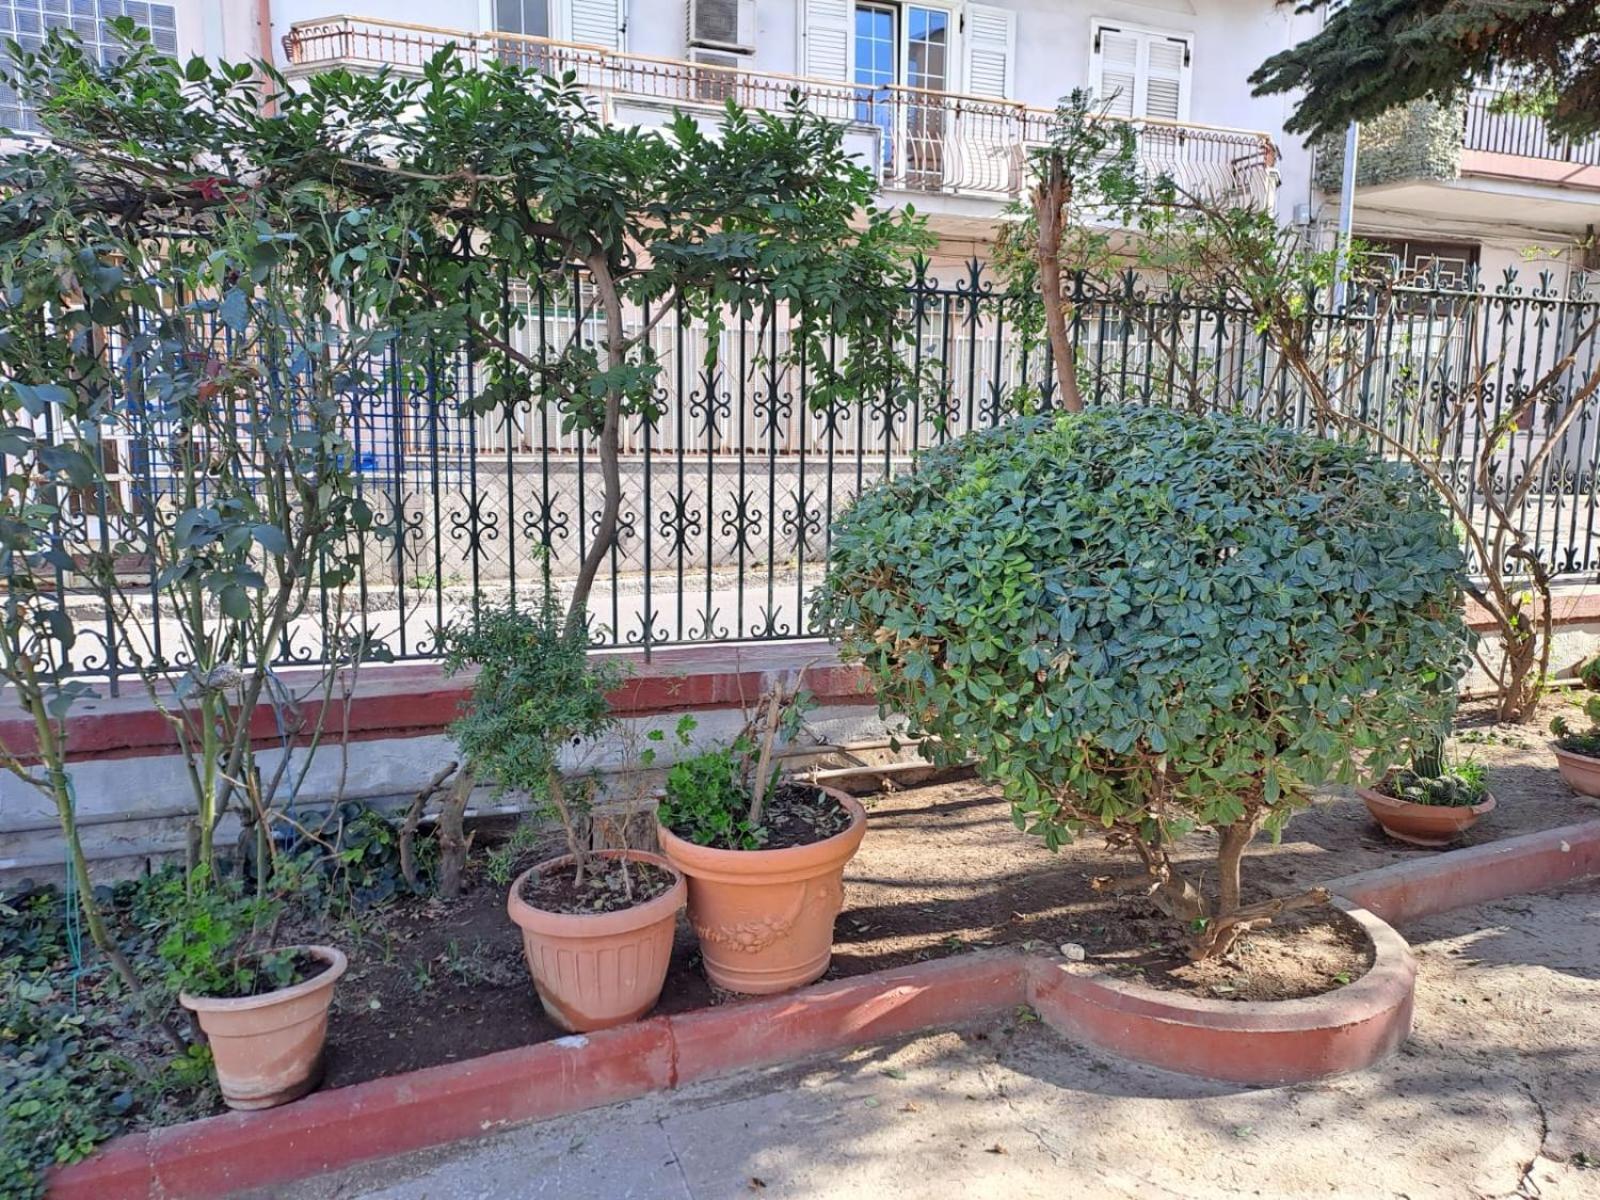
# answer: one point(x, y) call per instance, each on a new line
point(408, 830)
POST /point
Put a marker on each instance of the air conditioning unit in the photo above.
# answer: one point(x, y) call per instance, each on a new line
point(715, 86)
point(723, 25)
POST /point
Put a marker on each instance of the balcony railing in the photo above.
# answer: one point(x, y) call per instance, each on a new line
point(1521, 134)
point(928, 141)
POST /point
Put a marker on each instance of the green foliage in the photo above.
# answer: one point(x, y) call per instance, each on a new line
point(1147, 620)
point(1580, 741)
point(208, 933)
point(74, 1070)
point(707, 798)
point(1458, 786)
point(1589, 674)
point(536, 691)
point(1375, 55)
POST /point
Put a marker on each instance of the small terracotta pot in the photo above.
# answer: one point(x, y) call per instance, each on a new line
point(268, 1048)
point(765, 917)
point(595, 970)
point(1582, 773)
point(1423, 824)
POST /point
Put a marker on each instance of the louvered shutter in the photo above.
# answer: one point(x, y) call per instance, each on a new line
point(825, 38)
point(593, 22)
point(1166, 79)
point(1116, 75)
point(991, 48)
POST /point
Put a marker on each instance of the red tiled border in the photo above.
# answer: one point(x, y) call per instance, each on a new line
point(203, 1160)
point(1254, 1044)
point(1425, 885)
point(415, 699)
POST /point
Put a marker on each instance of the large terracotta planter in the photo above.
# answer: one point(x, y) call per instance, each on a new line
point(765, 917)
point(595, 970)
point(268, 1048)
point(1581, 773)
point(1423, 824)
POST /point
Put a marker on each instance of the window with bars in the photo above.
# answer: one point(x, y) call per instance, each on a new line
point(28, 21)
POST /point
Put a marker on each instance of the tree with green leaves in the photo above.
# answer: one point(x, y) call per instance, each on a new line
point(190, 268)
point(1376, 55)
point(1084, 175)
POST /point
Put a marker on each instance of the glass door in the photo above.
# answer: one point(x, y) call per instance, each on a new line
point(927, 59)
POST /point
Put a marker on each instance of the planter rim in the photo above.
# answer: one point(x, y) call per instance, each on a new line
point(803, 860)
point(1560, 752)
point(1372, 795)
point(581, 925)
point(336, 962)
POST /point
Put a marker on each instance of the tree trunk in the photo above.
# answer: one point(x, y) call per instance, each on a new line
point(1050, 199)
point(610, 467)
point(1230, 854)
point(454, 843)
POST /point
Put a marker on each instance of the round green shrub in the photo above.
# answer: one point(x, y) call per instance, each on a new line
point(1148, 621)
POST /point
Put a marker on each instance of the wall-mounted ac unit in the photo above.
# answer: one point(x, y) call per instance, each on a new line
point(716, 86)
point(723, 25)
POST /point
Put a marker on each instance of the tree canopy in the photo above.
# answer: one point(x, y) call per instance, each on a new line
point(1375, 55)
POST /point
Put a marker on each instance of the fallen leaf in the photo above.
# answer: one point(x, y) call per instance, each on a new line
point(894, 1072)
point(757, 1183)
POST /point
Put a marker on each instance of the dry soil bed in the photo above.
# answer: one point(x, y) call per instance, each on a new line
point(941, 871)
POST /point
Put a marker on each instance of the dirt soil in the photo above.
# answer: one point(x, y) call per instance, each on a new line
point(607, 887)
point(941, 871)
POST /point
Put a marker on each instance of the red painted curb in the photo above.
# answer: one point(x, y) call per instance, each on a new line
point(1424, 886)
point(1261, 1044)
point(204, 1160)
point(847, 1012)
point(416, 699)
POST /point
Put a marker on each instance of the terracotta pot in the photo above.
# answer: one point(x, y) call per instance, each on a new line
point(595, 970)
point(1582, 773)
point(1423, 824)
point(268, 1048)
point(765, 917)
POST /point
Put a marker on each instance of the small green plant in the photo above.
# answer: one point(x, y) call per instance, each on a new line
point(1580, 741)
point(537, 691)
point(717, 798)
point(1458, 786)
point(215, 937)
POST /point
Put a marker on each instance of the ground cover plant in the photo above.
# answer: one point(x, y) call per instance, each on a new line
point(1147, 622)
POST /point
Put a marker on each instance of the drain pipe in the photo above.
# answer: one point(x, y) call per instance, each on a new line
point(269, 98)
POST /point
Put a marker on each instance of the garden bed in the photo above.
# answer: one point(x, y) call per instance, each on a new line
point(942, 871)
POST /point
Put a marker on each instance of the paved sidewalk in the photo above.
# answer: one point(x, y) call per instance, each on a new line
point(1497, 1094)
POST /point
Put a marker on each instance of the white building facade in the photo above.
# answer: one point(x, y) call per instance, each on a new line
point(943, 98)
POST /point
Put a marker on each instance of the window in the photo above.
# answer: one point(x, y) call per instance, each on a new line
point(910, 46)
point(1141, 72)
point(1447, 265)
point(27, 21)
point(526, 18)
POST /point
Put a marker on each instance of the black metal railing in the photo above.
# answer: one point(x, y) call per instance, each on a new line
point(1492, 128)
point(731, 490)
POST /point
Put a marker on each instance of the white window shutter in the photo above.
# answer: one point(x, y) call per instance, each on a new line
point(825, 38)
point(1116, 71)
point(593, 22)
point(991, 49)
point(1167, 79)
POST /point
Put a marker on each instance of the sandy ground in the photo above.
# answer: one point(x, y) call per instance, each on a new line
point(1497, 1094)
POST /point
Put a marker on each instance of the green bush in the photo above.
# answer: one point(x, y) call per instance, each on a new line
point(1148, 621)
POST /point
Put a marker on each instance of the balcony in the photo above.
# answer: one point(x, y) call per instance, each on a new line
point(928, 143)
point(1513, 145)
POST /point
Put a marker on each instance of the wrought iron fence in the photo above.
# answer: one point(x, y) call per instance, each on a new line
point(731, 488)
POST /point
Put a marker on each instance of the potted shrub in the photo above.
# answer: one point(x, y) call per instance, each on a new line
point(263, 1009)
point(1578, 750)
point(1148, 622)
point(596, 926)
point(1429, 808)
point(765, 857)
